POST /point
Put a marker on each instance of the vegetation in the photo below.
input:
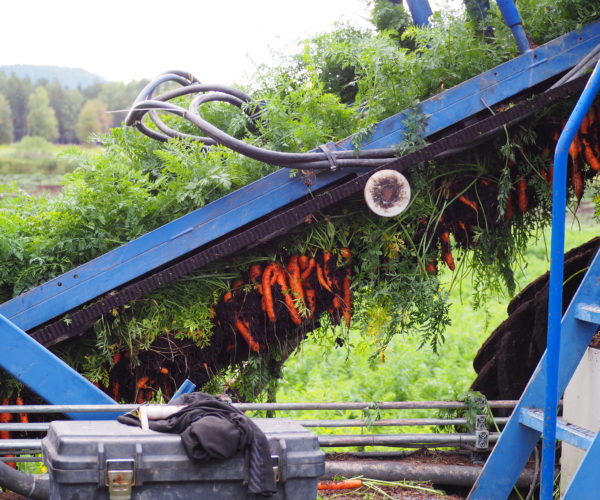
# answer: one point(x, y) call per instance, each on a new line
point(488, 204)
point(57, 102)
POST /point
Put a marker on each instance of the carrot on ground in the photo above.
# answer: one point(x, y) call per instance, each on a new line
point(348, 484)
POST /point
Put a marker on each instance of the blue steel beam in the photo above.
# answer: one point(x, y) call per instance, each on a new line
point(47, 375)
point(277, 190)
point(557, 257)
point(517, 441)
point(420, 11)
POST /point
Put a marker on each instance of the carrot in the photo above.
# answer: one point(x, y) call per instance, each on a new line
point(346, 253)
point(340, 485)
point(431, 266)
point(289, 301)
point(347, 305)
point(326, 270)
point(587, 138)
point(295, 279)
point(237, 284)
point(577, 179)
point(115, 388)
point(227, 297)
point(321, 278)
point(164, 371)
point(244, 328)
point(116, 358)
point(311, 297)
point(142, 382)
point(23, 418)
point(5, 418)
point(303, 261)
point(522, 201)
point(268, 292)
point(308, 269)
point(255, 272)
point(469, 203)
point(447, 250)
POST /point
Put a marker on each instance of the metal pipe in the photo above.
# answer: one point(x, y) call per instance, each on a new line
point(420, 11)
point(393, 405)
point(397, 470)
point(398, 422)
point(399, 440)
point(513, 20)
point(557, 255)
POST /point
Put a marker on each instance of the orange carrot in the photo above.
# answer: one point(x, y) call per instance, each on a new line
point(295, 278)
point(522, 201)
point(244, 328)
point(431, 266)
point(577, 180)
point(5, 418)
point(347, 305)
point(321, 278)
point(142, 382)
point(469, 203)
point(589, 139)
point(255, 272)
point(227, 297)
point(311, 297)
point(237, 284)
point(308, 269)
point(289, 302)
point(164, 371)
point(116, 358)
point(23, 418)
point(115, 390)
point(345, 252)
point(326, 271)
point(447, 250)
point(303, 261)
point(267, 278)
point(348, 484)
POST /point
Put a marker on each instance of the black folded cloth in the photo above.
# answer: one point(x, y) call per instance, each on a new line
point(213, 429)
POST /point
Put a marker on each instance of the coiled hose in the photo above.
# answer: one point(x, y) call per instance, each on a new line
point(148, 104)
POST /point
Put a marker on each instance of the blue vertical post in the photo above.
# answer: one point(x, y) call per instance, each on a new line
point(513, 20)
point(420, 11)
point(557, 250)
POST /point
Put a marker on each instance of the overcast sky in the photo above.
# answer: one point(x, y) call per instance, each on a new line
point(217, 41)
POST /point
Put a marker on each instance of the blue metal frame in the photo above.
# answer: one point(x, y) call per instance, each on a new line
point(227, 214)
point(420, 11)
point(46, 374)
point(559, 201)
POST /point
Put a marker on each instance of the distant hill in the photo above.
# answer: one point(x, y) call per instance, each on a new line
point(68, 77)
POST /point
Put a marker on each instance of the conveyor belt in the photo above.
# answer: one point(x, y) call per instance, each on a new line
point(283, 222)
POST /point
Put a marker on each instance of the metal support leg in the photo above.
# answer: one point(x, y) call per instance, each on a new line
point(47, 375)
point(513, 20)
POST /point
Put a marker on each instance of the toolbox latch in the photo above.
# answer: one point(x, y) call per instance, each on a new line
point(120, 478)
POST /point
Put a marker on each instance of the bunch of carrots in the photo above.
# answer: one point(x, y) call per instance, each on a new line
point(585, 149)
point(304, 286)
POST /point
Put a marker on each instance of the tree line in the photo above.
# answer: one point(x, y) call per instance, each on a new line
point(59, 114)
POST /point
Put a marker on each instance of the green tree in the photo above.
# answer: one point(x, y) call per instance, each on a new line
point(17, 92)
point(6, 125)
point(41, 120)
point(93, 119)
point(67, 104)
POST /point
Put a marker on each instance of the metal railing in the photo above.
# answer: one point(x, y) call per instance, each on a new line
point(22, 449)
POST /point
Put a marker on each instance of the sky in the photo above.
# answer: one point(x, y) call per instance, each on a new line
point(123, 40)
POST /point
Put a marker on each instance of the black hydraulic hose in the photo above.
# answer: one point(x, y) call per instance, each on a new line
point(147, 104)
point(28, 485)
